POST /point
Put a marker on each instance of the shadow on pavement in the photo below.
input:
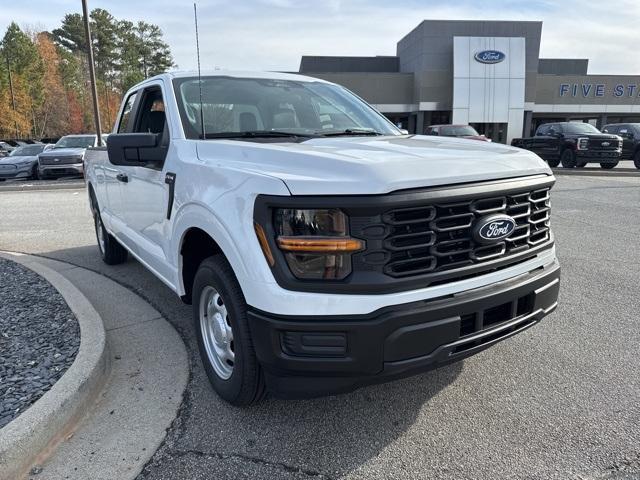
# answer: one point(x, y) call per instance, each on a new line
point(330, 436)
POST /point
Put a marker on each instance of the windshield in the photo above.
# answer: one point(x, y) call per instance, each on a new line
point(27, 150)
point(458, 131)
point(236, 105)
point(579, 128)
point(76, 142)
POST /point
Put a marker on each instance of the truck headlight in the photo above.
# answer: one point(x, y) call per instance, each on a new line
point(316, 242)
point(583, 143)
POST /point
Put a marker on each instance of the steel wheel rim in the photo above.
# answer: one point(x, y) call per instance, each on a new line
point(217, 334)
point(100, 234)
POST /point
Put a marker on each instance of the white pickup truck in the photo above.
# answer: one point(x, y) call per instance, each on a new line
point(321, 248)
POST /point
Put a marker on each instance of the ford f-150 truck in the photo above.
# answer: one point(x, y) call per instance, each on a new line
point(630, 134)
point(574, 144)
point(321, 248)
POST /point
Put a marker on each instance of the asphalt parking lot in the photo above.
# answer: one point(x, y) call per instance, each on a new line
point(559, 401)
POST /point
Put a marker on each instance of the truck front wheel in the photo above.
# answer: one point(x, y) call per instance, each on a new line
point(224, 339)
point(636, 159)
point(568, 158)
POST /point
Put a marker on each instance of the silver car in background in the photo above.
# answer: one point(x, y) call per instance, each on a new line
point(22, 162)
point(67, 156)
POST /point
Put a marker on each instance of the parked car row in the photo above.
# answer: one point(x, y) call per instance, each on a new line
point(575, 144)
point(9, 145)
point(41, 160)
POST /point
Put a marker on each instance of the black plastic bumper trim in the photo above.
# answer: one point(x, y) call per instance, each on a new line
point(396, 341)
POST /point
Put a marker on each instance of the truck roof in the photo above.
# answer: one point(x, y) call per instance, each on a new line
point(239, 74)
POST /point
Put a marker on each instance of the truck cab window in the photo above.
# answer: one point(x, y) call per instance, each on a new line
point(152, 115)
point(126, 113)
point(543, 130)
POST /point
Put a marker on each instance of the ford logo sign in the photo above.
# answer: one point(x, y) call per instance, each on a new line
point(605, 144)
point(489, 56)
point(493, 228)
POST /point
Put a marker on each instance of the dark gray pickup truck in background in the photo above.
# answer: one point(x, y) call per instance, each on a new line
point(573, 144)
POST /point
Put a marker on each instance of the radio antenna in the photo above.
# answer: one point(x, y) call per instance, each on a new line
point(195, 15)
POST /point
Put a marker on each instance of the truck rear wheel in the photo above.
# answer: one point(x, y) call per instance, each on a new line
point(224, 339)
point(111, 251)
point(608, 166)
point(568, 158)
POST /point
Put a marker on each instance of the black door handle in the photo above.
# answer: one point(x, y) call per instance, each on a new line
point(122, 177)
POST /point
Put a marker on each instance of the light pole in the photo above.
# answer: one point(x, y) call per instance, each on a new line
point(92, 73)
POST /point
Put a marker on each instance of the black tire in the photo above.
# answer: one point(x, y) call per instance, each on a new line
point(553, 163)
point(608, 166)
point(35, 174)
point(636, 159)
point(568, 158)
point(111, 251)
point(580, 164)
point(245, 385)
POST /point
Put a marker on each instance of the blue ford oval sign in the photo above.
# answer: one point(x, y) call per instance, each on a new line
point(489, 56)
point(493, 228)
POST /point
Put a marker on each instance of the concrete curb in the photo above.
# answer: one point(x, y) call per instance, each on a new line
point(581, 172)
point(28, 438)
point(30, 187)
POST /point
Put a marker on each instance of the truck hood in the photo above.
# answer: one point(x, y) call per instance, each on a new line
point(63, 152)
point(373, 165)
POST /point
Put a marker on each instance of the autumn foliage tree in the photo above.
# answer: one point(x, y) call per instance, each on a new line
point(44, 82)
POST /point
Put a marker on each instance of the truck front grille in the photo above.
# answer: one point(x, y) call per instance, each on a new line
point(597, 145)
point(61, 160)
point(430, 241)
point(438, 237)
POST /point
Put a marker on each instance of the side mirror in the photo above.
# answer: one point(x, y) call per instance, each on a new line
point(129, 148)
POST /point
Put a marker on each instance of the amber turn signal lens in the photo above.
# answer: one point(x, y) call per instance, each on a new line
point(320, 244)
point(264, 244)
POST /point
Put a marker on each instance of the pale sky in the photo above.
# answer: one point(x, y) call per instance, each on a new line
point(274, 34)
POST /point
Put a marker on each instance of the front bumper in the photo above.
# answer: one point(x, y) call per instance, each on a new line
point(67, 169)
point(588, 156)
point(313, 355)
point(22, 171)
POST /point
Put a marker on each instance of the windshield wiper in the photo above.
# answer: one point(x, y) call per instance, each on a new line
point(351, 132)
point(253, 134)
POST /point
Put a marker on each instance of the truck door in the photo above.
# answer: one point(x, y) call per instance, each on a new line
point(539, 139)
point(113, 206)
point(145, 191)
point(550, 142)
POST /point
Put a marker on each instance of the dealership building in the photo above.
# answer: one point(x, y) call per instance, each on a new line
point(488, 74)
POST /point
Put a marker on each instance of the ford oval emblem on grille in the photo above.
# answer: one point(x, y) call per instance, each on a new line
point(605, 144)
point(493, 228)
point(56, 159)
point(489, 56)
